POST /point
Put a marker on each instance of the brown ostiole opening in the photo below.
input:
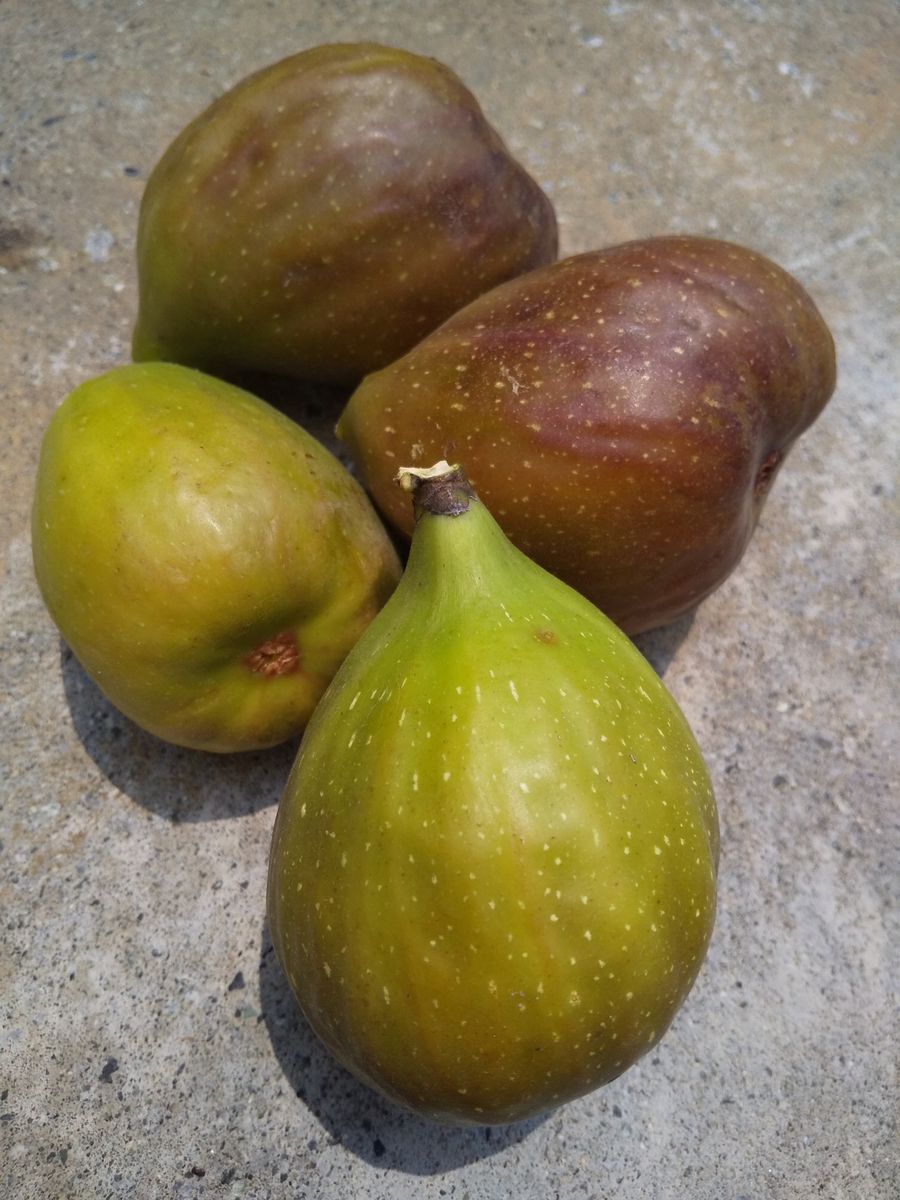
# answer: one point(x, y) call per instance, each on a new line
point(280, 655)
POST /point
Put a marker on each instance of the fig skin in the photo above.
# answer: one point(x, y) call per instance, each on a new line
point(493, 870)
point(209, 563)
point(623, 414)
point(326, 213)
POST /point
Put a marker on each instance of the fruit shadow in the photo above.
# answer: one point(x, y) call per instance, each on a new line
point(353, 1116)
point(315, 406)
point(659, 646)
point(172, 782)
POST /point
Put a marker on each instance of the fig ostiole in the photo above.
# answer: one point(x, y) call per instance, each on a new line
point(623, 413)
point(326, 213)
point(493, 871)
point(208, 561)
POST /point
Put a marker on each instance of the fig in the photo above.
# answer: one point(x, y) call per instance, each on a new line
point(493, 870)
point(326, 213)
point(623, 414)
point(209, 563)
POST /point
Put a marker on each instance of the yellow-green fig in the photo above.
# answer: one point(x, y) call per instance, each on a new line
point(326, 213)
point(493, 872)
point(209, 562)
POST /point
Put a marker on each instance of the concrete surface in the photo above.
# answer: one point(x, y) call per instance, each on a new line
point(149, 1045)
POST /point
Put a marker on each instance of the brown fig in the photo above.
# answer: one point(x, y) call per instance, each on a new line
point(623, 413)
point(326, 213)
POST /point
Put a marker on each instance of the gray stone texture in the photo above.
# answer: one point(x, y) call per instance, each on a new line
point(149, 1046)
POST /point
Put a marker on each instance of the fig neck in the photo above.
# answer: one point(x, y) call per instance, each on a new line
point(457, 545)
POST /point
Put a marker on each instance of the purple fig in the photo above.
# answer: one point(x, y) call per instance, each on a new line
point(623, 413)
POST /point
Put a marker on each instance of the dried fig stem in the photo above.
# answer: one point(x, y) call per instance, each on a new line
point(442, 490)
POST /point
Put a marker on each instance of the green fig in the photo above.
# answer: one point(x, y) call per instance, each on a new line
point(326, 213)
point(209, 563)
point(493, 871)
point(623, 414)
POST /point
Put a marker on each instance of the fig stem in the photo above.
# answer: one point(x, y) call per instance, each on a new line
point(442, 490)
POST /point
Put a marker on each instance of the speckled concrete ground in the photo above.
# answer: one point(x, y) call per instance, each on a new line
point(149, 1045)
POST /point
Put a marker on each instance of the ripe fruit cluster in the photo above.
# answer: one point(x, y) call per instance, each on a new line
point(492, 879)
